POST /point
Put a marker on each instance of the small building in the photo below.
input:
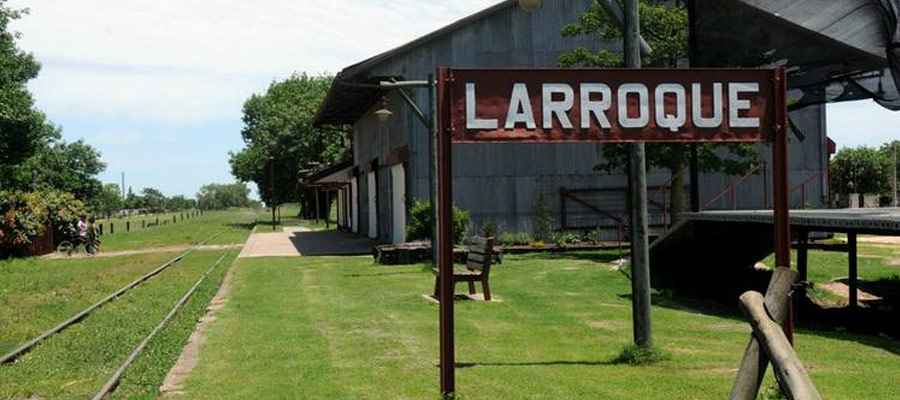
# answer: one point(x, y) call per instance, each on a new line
point(390, 168)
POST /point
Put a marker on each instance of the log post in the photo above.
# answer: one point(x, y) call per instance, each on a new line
point(791, 374)
point(753, 366)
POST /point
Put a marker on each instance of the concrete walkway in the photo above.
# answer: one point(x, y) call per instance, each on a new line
point(297, 241)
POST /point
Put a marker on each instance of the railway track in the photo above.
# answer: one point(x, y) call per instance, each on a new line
point(18, 352)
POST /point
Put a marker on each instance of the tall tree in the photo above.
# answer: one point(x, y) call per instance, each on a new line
point(218, 196)
point(664, 27)
point(861, 170)
point(109, 200)
point(281, 141)
point(23, 129)
point(68, 167)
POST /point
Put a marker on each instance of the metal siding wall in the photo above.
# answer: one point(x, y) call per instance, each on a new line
point(503, 181)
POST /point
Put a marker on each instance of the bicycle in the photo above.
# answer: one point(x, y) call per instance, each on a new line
point(91, 247)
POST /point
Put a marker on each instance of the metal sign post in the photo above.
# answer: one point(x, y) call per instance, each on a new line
point(608, 105)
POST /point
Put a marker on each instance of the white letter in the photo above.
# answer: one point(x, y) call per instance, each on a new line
point(471, 121)
point(668, 121)
point(519, 99)
point(643, 101)
point(557, 107)
point(697, 106)
point(735, 105)
point(597, 108)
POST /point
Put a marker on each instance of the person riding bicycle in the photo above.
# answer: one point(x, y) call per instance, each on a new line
point(82, 230)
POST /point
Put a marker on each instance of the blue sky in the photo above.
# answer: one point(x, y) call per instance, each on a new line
point(157, 86)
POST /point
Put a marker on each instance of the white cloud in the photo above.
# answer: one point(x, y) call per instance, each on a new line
point(194, 61)
point(862, 123)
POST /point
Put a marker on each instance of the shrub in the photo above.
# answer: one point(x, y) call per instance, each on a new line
point(489, 229)
point(515, 239)
point(420, 222)
point(24, 216)
point(563, 240)
point(542, 219)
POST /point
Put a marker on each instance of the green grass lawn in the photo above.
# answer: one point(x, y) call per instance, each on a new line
point(76, 362)
point(36, 294)
point(235, 225)
point(343, 328)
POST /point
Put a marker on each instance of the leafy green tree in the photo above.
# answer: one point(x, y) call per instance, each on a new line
point(109, 200)
point(154, 199)
point(219, 196)
point(861, 170)
point(23, 128)
point(664, 27)
point(180, 203)
point(68, 167)
point(279, 134)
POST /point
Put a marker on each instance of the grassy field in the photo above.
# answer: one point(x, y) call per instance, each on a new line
point(36, 294)
point(878, 263)
point(233, 224)
point(342, 328)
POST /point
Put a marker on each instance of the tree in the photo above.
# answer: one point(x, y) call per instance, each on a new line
point(279, 134)
point(219, 196)
point(109, 200)
point(861, 170)
point(664, 27)
point(23, 128)
point(68, 167)
point(153, 199)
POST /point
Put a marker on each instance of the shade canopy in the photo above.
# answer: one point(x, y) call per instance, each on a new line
point(833, 50)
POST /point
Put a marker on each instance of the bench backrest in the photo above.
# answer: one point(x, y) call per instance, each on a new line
point(481, 254)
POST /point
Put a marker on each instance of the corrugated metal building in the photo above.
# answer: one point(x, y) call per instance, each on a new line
point(504, 181)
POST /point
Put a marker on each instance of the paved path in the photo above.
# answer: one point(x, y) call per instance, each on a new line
point(297, 241)
point(167, 249)
point(272, 244)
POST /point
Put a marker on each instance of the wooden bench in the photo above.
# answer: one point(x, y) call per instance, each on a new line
point(478, 268)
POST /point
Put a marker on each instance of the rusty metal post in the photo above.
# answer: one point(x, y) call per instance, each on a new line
point(780, 176)
point(445, 242)
point(780, 189)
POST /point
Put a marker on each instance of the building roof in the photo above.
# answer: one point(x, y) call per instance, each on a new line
point(353, 92)
point(335, 175)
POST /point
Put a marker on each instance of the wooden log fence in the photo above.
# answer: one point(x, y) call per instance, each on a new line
point(789, 370)
point(753, 366)
point(145, 224)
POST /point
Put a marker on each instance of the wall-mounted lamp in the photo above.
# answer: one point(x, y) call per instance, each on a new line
point(530, 5)
point(383, 114)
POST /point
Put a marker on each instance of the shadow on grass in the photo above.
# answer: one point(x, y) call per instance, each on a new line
point(716, 293)
point(382, 274)
point(463, 365)
point(600, 257)
point(631, 355)
point(245, 226)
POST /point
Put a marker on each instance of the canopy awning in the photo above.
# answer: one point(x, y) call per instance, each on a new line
point(334, 176)
point(832, 50)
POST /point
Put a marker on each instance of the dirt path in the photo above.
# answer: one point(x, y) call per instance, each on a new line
point(880, 239)
point(173, 385)
point(168, 249)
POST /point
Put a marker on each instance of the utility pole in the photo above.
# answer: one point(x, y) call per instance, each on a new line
point(123, 184)
point(640, 248)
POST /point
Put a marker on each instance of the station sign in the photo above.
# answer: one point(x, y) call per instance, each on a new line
point(613, 105)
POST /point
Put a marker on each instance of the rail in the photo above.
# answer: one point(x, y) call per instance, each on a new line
point(731, 188)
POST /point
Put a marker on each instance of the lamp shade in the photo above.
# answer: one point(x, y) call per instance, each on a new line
point(530, 5)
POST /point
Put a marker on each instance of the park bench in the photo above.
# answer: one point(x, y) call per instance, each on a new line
point(478, 268)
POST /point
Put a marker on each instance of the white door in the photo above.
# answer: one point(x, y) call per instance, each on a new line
point(373, 211)
point(354, 205)
point(398, 203)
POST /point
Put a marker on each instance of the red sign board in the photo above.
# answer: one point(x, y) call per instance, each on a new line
point(613, 105)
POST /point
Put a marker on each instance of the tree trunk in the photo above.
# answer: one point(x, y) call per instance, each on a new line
point(676, 201)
